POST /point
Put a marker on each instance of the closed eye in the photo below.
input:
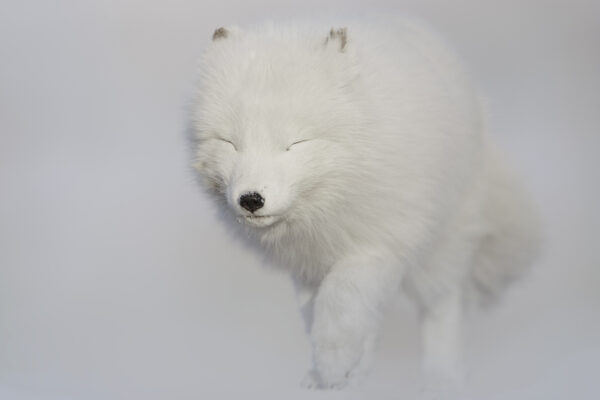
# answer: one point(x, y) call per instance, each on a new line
point(298, 142)
point(227, 141)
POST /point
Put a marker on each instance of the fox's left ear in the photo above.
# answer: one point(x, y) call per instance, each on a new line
point(343, 54)
point(337, 37)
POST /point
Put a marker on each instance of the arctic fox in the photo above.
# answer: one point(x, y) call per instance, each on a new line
point(356, 158)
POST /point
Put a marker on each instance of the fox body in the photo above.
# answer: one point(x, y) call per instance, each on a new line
point(356, 158)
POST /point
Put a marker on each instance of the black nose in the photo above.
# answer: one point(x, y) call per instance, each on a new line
point(251, 201)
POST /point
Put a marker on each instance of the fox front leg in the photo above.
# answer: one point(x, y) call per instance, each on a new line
point(346, 314)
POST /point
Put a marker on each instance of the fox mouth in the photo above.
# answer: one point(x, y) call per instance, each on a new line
point(259, 221)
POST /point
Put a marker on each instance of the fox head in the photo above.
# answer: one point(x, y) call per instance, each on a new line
point(271, 122)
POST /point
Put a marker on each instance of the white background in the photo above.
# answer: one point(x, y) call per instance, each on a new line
point(118, 282)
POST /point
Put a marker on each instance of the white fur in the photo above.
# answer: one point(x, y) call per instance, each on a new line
point(393, 182)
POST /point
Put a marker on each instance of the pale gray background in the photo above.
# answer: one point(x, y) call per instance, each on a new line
point(118, 282)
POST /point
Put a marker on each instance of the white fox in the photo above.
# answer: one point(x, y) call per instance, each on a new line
point(357, 158)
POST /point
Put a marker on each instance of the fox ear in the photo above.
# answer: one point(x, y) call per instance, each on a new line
point(224, 33)
point(337, 37)
point(220, 33)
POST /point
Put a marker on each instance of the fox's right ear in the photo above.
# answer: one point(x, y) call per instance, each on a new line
point(220, 33)
point(223, 33)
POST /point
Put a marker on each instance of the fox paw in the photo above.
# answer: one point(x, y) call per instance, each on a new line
point(313, 381)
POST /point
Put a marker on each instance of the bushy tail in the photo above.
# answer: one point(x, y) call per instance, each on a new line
point(514, 236)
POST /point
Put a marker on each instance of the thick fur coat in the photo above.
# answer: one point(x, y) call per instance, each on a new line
point(356, 158)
